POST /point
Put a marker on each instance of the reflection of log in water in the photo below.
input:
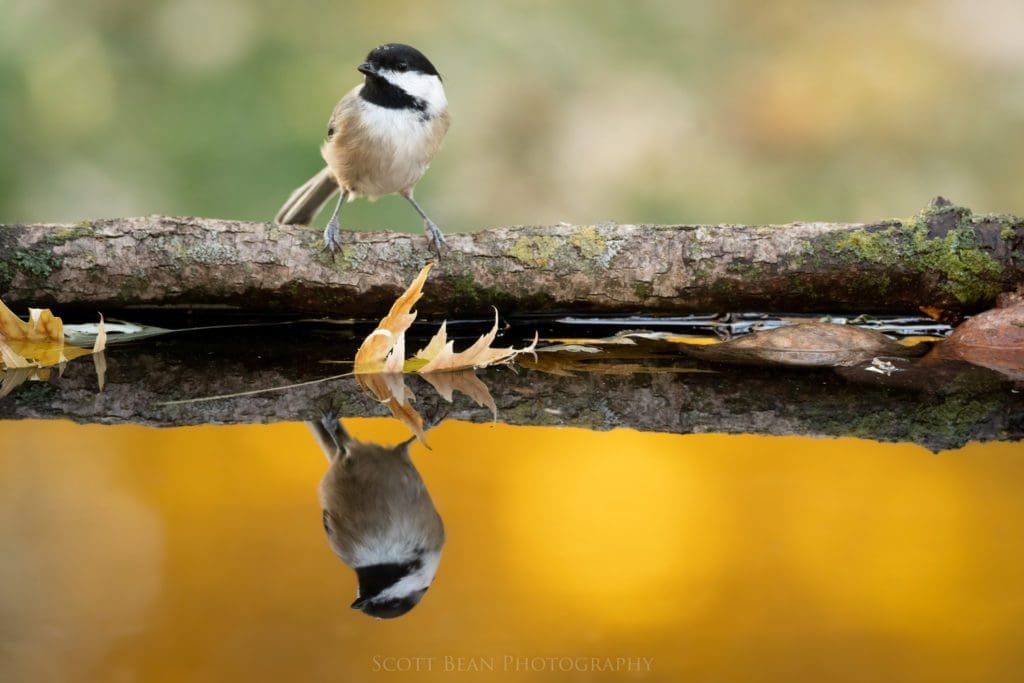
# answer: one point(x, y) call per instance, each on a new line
point(944, 257)
point(937, 408)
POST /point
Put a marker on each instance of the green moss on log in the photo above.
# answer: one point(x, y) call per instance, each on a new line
point(536, 251)
point(469, 293)
point(36, 263)
point(642, 290)
point(70, 232)
point(586, 248)
point(952, 419)
point(927, 244)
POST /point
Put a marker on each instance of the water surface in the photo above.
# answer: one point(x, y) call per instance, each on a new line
point(197, 553)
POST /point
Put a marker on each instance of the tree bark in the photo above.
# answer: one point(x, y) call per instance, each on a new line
point(938, 408)
point(944, 257)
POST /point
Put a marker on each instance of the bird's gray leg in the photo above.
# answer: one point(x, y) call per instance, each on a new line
point(433, 232)
point(330, 434)
point(332, 233)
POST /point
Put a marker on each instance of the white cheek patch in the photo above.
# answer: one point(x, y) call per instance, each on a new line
point(399, 127)
point(421, 86)
point(417, 581)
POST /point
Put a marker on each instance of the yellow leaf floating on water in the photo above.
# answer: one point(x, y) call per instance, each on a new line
point(380, 361)
point(435, 345)
point(384, 349)
point(42, 326)
point(375, 349)
point(479, 355)
point(39, 341)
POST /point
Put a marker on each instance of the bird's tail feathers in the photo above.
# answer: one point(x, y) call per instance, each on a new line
point(304, 203)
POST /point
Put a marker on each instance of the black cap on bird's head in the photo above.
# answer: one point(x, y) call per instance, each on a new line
point(374, 581)
point(397, 57)
point(388, 609)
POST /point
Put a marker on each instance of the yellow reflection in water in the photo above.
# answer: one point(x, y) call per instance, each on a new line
point(612, 534)
point(197, 554)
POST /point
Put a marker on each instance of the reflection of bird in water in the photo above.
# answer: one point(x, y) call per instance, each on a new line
point(379, 519)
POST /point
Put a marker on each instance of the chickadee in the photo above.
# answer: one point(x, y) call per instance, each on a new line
point(381, 138)
point(379, 519)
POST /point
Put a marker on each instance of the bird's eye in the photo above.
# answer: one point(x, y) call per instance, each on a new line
point(402, 66)
point(330, 131)
point(327, 525)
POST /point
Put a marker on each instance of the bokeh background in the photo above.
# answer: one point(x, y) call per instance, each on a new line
point(583, 111)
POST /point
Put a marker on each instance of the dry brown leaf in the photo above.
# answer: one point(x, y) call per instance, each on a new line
point(375, 349)
point(993, 339)
point(11, 358)
point(38, 342)
point(808, 344)
point(42, 326)
point(436, 344)
point(384, 349)
point(479, 355)
point(100, 345)
point(380, 361)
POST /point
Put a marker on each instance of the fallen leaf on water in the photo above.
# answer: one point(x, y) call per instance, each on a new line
point(809, 344)
point(39, 342)
point(384, 349)
point(993, 339)
point(627, 352)
point(100, 345)
point(375, 350)
point(380, 361)
point(42, 325)
point(441, 356)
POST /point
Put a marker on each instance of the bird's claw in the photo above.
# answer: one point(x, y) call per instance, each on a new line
point(435, 236)
point(332, 235)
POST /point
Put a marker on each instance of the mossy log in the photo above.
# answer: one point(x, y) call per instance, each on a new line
point(938, 408)
point(944, 257)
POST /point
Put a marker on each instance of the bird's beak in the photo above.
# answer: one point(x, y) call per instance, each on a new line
point(367, 68)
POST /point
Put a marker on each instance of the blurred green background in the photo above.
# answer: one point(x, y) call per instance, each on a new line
point(580, 111)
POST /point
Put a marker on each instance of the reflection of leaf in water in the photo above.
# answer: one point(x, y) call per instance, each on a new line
point(565, 365)
point(809, 344)
point(99, 361)
point(466, 382)
point(390, 388)
point(14, 377)
point(626, 353)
